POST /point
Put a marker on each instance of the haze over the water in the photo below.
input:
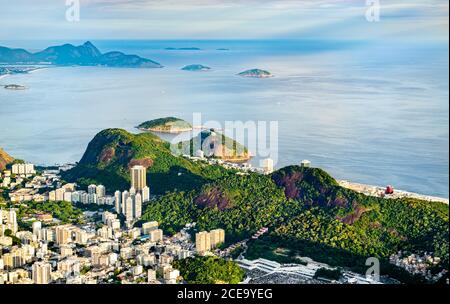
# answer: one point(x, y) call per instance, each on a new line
point(366, 101)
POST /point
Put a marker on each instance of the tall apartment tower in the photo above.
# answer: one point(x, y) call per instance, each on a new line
point(217, 237)
point(123, 207)
point(128, 212)
point(100, 191)
point(137, 208)
point(138, 177)
point(145, 194)
point(202, 242)
point(117, 201)
point(92, 189)
point(41, 273)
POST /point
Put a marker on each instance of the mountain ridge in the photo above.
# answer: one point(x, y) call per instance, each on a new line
point(86, 54)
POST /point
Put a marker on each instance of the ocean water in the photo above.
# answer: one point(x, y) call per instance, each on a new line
point(368, 113)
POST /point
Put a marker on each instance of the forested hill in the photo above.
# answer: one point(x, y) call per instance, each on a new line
point(305, 209)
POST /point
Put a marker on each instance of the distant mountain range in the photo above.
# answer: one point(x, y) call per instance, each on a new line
point(68, 54)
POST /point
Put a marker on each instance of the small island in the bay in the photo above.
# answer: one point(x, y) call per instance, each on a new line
point(196, 67)
point(11, 70)
point(15, 87)
point(182, 49)
point(256, 73)
point(166, 125)
point(69, 55)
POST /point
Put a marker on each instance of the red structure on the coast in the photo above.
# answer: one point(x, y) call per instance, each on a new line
point(389, 190)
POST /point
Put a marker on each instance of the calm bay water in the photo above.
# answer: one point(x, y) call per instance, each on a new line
point(366, 113)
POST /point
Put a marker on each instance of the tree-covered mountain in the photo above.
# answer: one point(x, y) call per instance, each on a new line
point(68, 54)
point(306, 211)
point(112, 152)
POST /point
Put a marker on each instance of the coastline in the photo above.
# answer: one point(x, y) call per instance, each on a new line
point(378, 191)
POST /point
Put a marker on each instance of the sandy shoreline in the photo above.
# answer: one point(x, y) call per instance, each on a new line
point(378, 191)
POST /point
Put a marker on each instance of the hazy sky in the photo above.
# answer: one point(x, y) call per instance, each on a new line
point(206, 19)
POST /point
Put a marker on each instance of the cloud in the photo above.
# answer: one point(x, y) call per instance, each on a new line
point(173, 19)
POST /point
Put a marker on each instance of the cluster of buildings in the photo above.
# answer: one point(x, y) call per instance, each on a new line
point(268, 164)
point(8, 221)
point(99, 251)
point(129, 203)
point(418, 264)
point(24, 170)
point(206, 241)
point(105, 248)
point(28, 186)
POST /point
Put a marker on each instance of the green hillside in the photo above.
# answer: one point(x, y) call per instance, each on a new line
point(306, 211)
point(112, 152)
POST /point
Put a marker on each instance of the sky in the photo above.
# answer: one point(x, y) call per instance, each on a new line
point(223, 19)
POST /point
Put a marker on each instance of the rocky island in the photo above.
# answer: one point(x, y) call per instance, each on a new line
point(182, 49)
point(196, 67)
point(166, 125)
point(68, 54)
point(256, 73)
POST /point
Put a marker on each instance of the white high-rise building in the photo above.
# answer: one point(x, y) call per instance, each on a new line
point(138, 177)
point(12, 220)
point(125, 196)
point(92, 189)
point(23, 169)
point(67, 196)
point(101, 191)
point(118, 201)
point(145, 194)
point(59, 194)
point(129, 209)
point(37, 226)
point(137, 206)
point(92, 198)
point(41, 273)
